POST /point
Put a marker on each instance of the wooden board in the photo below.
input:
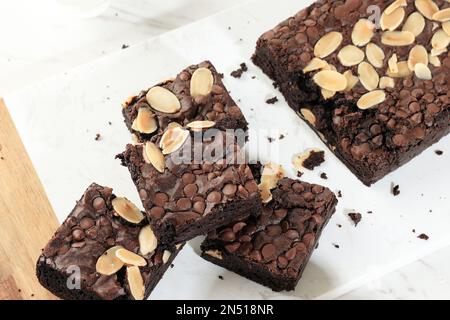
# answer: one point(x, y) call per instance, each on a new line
point(27, 220)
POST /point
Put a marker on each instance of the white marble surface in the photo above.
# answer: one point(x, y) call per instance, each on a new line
point(91, 92)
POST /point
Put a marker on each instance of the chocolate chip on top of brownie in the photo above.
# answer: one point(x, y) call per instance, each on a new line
point(105, 249)
point(274, 248)
point(376, 88)
point(187, 198)
point(197, 93)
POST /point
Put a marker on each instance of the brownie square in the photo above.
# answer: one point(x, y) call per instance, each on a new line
point(81, 261)
point(185, 199)
point(274, 248)
point(376, 96)
point(201, 96)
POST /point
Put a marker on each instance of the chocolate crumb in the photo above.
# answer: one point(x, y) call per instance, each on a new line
point(220, 277)
point(396, 190)
point(439, 152)
point(98, 137)
point(2, 158)
point(32, 294)
point(336, 245)
point(110, 123)
point(253, 77)
point(369, 212)
point(270, 139)
point(339, 225)
point(272, 100)
point(324, 176)
point(124, 46)
point(238, 72)
point(356, 217)
point(281, 137)
point(315, 159)
point(229, 28)
point(299, 174)
point(19, 290)
point(414, 230)
point(339, 194)
point(423, 236)
point(172, 265)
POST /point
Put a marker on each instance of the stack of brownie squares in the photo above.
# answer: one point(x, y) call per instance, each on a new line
point(257, 223)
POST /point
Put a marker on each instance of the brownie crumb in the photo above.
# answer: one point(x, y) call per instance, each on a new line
point(220, 277)
point(324, 176)
point(439, 152)
point(339, 225)
point(229, 28)
point(124, 46)
point(369, 212)
point(339, 194)
point(253, 77)
point(238, 72)
point(221, 75)
point(270, 139)
point(172, 265)
point(315, 159)
point(98, 137)
point(281, 137)
point(423, 236)
point(356, 217)
point(336, 245)
point(299, 174)
point(32, 294)
point(413, 230)
point(110, 123)
point(2, 158)
point(272, 100)
point(396, 190)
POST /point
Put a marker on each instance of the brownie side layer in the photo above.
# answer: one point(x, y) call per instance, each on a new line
point(89, 231)
point(373, 142)
point(274, 248)
point(218, 106)
point(190, 199)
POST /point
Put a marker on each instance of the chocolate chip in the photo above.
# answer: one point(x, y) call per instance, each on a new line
point(238, 226)
point(98, 204)
point(227, 235)
point(86, 223)
point(229, 189)
point(78, 235)
point(156, 212)
point(233, 247)
point(199, 207)
point(355, 217)
point(190, 190)
point(188, 178)
point(268, 251)
point(214, 197)
point(160, 199)
point(184, 204)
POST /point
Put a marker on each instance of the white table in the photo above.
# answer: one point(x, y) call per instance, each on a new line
point(38, 47)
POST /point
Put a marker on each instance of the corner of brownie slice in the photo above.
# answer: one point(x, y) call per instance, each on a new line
point(274, 247)
point(196, 94)
point(104, 250)
point(376, 96)
point(185, 196)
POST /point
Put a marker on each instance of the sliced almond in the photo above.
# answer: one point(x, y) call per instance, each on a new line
point(368, 76)
point(214, 253)
point(173, 125)
point(299, 159)
point(327, 94)
point(387, 82)
point(330, 80)
point(136, 282)
point(145, 121)
point(153, 155)
point(163, 100)
point(434, 61)
point(392, 63)
point(392, 21)
point(440, 40)
point(315, 64)
point(446, 27)
point(127, 210)
point(375, 55)
point(201, 82)
point(147, 241)
point(272, 173)
point(328, 44)
point(395, 5)
point(403, 70)
point(329, 67)
point(166, 256)
point(309, 116)
point(199, 125)
point(130, 258)
point(437, 52)
point(173, 139)
point(351, 80)
point(350, 56)
point(422, 71)
point(363, 32)
point(108, 264)
point(435, 26)
point(442, 15)
point(427, 7)
point(397, 38)
point(418, 54)
point(371, 99)
point(414, 24)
